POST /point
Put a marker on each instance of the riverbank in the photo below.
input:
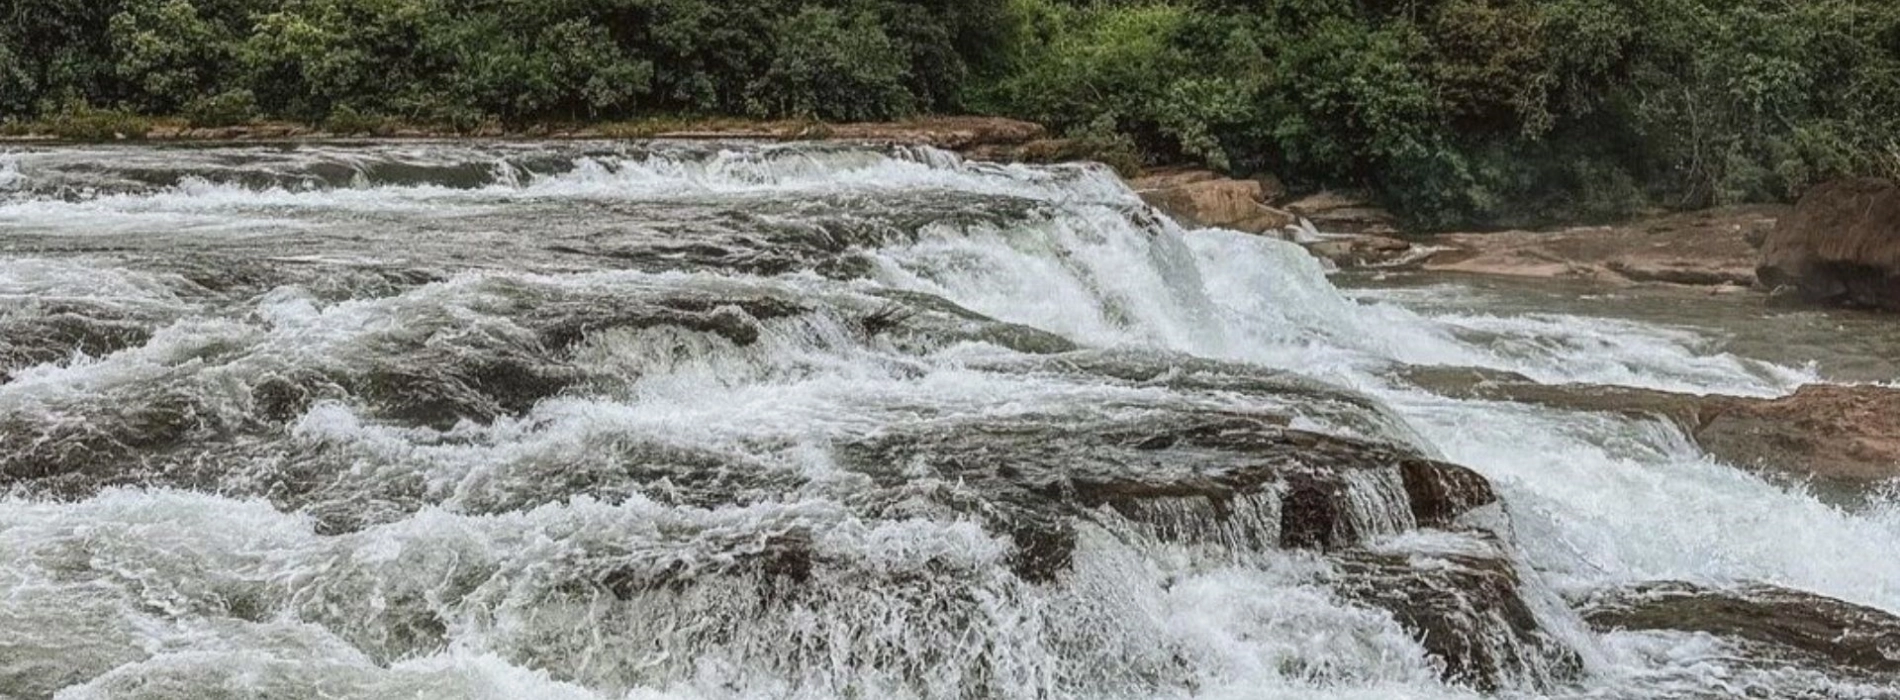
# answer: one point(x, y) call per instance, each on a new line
point(949, 132)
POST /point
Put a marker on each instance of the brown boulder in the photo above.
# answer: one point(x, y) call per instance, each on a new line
point(1840, 247)
point(1838, 433)
point(1200, 198)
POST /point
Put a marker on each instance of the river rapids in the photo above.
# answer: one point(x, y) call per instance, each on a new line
point(729, 420)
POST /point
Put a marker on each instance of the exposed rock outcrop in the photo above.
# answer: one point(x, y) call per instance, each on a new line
point(1710, 247)
point(1350, 251)
point(1781, 627)
point(1839, 433)
point(1337, 212)
point(1202, 198)
point(1841, 246)
point(1847, 435)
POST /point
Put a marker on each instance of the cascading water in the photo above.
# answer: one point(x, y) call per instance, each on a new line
point(744, 421)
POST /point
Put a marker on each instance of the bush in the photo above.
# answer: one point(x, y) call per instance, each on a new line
point(346, 121)
point(224, 109)
point(829, 66)
point(78, 121)
point(1479, 112)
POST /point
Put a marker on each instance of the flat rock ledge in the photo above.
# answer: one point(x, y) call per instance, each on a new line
point(1841, 435)
point(1716, 247)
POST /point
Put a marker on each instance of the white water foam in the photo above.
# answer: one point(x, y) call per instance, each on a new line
point(153, 593)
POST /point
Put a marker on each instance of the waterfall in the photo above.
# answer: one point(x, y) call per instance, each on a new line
point(731, 420)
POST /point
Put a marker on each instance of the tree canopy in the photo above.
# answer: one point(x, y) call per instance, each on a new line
point(1491, 112)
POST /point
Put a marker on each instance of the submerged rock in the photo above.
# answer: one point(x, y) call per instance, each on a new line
point(57, 333)
point(1778, 626)
point(1841, 246)
point(1686, 410)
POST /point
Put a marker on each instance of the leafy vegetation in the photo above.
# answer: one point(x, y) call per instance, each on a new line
point(459, 62)
point(1489, 112)
point(1454, 112)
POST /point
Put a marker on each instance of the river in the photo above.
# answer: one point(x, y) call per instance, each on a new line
point(728, 420)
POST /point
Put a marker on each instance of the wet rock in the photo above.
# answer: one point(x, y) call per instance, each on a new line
point(562, 324)
point(55, 334)
point(1708, 247)
point(1687, 410)
point(1840, 246)
point(1337, 212)
point(74, 458)
point(438, 388)
point(1203, 199)
point(1781, 627)
point(780, 562)
point(1241, 481)
point(1842, 435)
point(920, 320)
point(1466, 608)
point(1441, 493)
point(1348, 252)
point(282, 397)
point(1296, 394)
point(1846, 434)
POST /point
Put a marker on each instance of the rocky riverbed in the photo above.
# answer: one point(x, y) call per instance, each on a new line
point(730, 419)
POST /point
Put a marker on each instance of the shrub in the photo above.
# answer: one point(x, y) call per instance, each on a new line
point(228, 108)
point(826, 65)
point(78, 121)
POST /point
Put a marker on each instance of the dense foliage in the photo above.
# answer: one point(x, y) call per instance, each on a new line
point(1481, 111)
point(1452, 111)
point(460, 61)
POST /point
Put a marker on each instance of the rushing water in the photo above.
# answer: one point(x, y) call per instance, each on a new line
point(530, 420)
